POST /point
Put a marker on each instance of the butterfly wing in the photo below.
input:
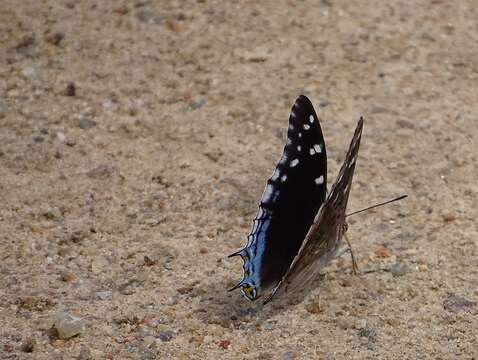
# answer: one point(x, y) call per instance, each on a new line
point(289, 203)
point(324, 237)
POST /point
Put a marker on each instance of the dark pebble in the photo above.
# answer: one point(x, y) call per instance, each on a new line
point(70, 89)
point(456, 303)
point(166, 336)
point(55, 38)
point(368, 332)
point(28, 345)
point(398, 269)
point(86, 123)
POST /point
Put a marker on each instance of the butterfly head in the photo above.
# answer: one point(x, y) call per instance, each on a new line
point(250, 291)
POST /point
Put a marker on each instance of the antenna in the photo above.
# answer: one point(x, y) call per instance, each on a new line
point(377, 205)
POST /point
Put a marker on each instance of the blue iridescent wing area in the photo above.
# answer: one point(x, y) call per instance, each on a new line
point(325, 235)
point(290, 201)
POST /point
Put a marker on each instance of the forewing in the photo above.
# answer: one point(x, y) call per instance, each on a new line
point(290, 200)
point(325, 234)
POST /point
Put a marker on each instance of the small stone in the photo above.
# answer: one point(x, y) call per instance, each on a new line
point(382, 253)
point(166, 336)
point(149, 341)
point(28, 345)
point(290, 355)
point(68, 325)
point(361, 324)
point(85, 353)
point(61, 136)
point(423, 267)
point(28, 72)
point(399, 269)
point(448, 218)
point(456, 303)
point(145, 16)
point(149, 261)
point(368, 332)
point(313, 308)
point(99, 264)
point(101, 172)
point(104, 295)
point(344, 324)
point(70, 89)
point(86, 123)
point(174, 26)
point(69, 277)
point(38, 139)
point(224, 344)
point(55, 38)
point(3, 110)
point(257, 55)
point(379, 110)
point(25, 45)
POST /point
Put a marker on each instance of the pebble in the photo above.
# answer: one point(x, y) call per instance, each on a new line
point(28, 345)
point(290, 355)
point(68, 325)
point(86, 123)
point(149, 341)
point(55, 38)
point(3, 110)
point(456, 303)
point(423, 267)
point(313, 308)
point(368, 332)
point(28, 72)
point(399, 269)
point(166, 336)
point(101, 172)
point(70, 89)
point(69, 277)
point(99, 264)
point(61, 136)
point(343, 323)
point(361, 324)
point(85, 353)
point(104, 295)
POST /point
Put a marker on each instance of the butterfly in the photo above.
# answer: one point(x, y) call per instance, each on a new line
point(299, 227)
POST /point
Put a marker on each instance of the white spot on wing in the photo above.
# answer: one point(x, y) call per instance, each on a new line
point(294, 162)
point(318, 148)
point(283, 178)
point(319, 180)
point(299, 148)
point(291, 127)
point(268, 193)
point(311, 151)
point(311, 119)
point(306, 126)
point(275, 175)
point(300, 135)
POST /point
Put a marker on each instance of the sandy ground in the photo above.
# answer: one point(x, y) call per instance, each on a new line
point(135, 141)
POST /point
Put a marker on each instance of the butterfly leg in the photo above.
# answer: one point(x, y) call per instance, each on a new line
point(355, 268)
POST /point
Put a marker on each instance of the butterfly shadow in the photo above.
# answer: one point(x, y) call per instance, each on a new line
point(231, 309)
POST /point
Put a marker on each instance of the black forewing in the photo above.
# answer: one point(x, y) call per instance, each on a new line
point(290, 200)
point(325, 235)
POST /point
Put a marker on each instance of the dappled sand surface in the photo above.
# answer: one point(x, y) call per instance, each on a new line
point(135, 141)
